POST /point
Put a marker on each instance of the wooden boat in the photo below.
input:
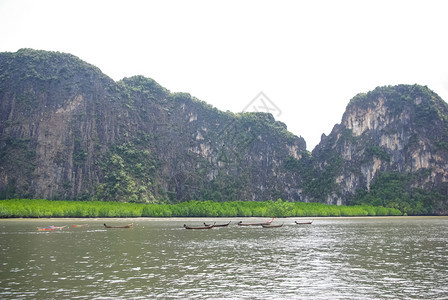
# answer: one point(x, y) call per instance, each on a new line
point(124, 226)
point(304, 223)
point(83, 225)
point(57, 227)
point(272, 226)
point(219, 225)
point(45, 229)
point(240, 223)
point(210, 226)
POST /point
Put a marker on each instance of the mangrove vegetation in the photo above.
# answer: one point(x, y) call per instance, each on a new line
point(40, 208)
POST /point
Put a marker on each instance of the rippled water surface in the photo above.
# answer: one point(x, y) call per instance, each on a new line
point(353, 258)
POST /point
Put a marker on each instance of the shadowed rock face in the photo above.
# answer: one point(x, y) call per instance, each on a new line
point(70, 132)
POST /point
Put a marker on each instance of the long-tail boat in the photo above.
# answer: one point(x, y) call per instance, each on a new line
point(45, 228)
point(57, 227)
point(304, 223)
point(272, 226)
point(82, 225)
point(240, 223)
point(210, 226)
point(219, 225)
point(124, 226)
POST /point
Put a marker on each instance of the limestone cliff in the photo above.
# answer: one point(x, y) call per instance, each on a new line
point(401, 130)
point(67, 131)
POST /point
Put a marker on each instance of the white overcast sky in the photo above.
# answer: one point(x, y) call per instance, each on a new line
point(308, 57)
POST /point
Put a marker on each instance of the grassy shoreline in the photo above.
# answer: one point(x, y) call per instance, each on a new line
point(41, 208)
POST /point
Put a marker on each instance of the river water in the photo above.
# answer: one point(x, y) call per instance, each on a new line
point(334, 258)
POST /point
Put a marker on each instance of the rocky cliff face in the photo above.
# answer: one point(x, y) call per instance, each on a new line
point(391, 130)
point(67, 131)
point(70, 132)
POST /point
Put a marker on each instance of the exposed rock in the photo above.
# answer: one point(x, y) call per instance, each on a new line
point(70, 132)
point(401, 129)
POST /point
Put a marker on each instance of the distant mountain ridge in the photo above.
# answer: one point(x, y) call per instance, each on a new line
point(67, 131)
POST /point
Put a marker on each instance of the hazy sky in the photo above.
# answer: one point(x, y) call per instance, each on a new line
point(309, 58)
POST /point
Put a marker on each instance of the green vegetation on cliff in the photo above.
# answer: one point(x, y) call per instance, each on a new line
point(317, 183)
point(392, 190)
point(128, 170)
